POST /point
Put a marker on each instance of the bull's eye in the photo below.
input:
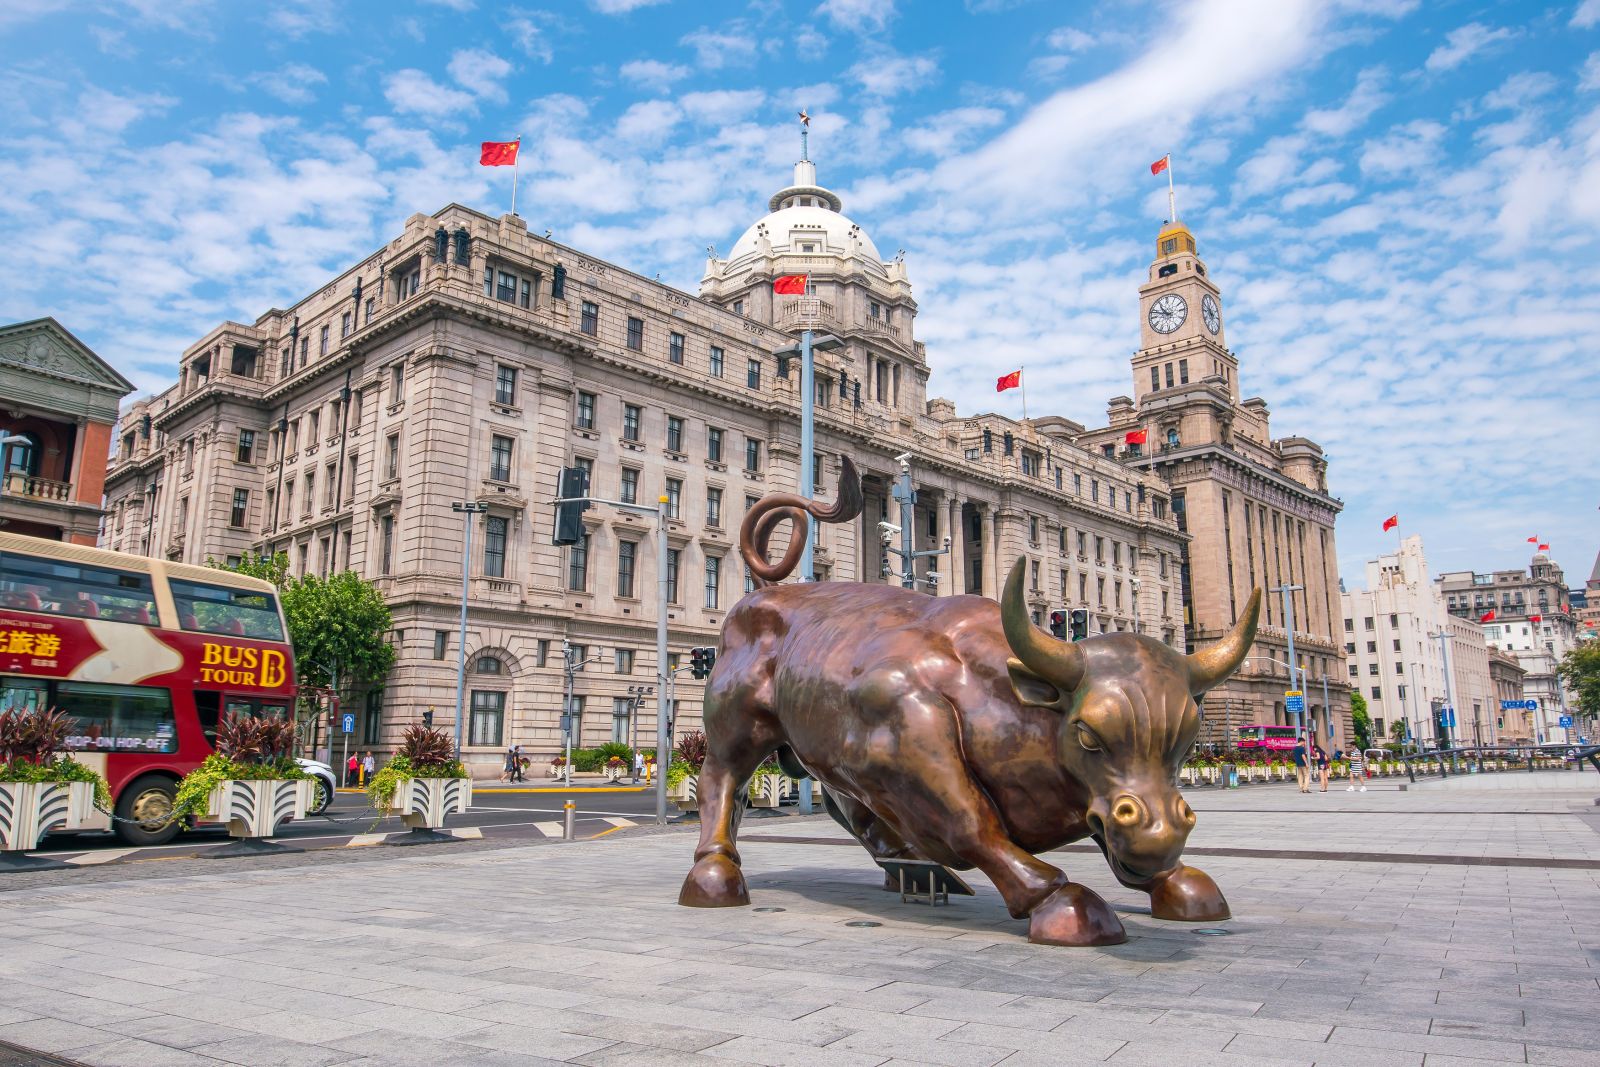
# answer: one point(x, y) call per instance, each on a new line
point(1087, 739)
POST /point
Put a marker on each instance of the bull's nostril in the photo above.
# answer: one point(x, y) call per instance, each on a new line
point(1185, 812)
point(1125, 812)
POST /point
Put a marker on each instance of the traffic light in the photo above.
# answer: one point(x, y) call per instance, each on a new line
point(1079, 628)
point(1058, 625)
point(701, 660)
point(569, 516)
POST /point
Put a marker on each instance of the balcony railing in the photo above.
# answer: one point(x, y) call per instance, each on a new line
point(33, 487)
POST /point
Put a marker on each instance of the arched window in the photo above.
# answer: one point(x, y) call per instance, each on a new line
point(1172, 438)
point(23, 456)
point(489, 665)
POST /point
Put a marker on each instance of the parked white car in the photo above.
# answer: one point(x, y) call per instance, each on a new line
point(327, 782)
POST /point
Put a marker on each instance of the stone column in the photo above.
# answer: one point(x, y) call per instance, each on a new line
point(956, 563)
point(989, 547)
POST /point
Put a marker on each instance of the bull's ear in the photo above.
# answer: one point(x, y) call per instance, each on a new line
point(1032, 690)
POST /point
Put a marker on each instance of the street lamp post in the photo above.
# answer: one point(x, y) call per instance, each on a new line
point(1288, 592)
point(466, 509)
point(810, 344)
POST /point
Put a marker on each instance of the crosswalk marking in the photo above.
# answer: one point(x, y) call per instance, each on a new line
point(549, 829)
point(89, 859)
point(466, 833)
point(617, 820)
point(365, 839)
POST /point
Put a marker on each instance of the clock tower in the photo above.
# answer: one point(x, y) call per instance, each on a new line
point(1180, 332)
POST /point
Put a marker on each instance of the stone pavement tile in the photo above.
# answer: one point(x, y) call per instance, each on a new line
point(845, 1021)
point(1434, 1059)
point(1323, 1053)
point(1166, 1054)
point(1430, 1044)
point(920, 1049)
point(817, 1028)
point(1559, 988)
point(415, 996)
point(1241, 1024)
point(1338, 1016)
point(53, 1035)
point(131, 1052)
point(1578, 1034)
point(176, 1031)
point(1560, 1056)
point(1056, 1041)
point(537, 1041)
point(16, 1015)
point(1034, 1059)
point(779, 1054)
point(1030, 1013)
point(210, 1008)
point(776, 1004)
point(377, 1050)
point(610, 1028)
point(623, 1054)
point(298, 1027)
point(25, 996)
point(259, 1050)
point(417, 1022)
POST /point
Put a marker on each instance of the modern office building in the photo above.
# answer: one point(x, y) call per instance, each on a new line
point(470, 359)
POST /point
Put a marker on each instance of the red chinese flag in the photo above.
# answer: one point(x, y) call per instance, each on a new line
point(790, 285)
point(1008, 381)
point(499, 153)
point(1533, 540)
point(1536, 619)
point(1136, 437)
point(1487, 616)
point(1160, 165)
point(1390, 523)
point(1544, 548)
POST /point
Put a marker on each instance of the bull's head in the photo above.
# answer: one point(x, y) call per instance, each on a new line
point(1128, 720)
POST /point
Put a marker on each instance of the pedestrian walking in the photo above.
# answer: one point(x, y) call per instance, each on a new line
point(517, 763)
point(368, 765)
point(352, 767)
point(1319, 756)
point(508, 765)
point(1302, 768)
point(638, 767)
point(1358, 771)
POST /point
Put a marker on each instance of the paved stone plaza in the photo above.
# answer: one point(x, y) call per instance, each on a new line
point(1468, 932)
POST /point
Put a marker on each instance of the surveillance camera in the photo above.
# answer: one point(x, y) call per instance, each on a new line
point(947, 542)
point(933, 578)
point(888, 528)
point(903, 458)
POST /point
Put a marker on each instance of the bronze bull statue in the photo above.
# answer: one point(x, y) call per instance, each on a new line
point(951, 729)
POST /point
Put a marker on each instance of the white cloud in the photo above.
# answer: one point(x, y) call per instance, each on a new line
point(621, 7)
point(292, 83)
point(1462, 44)
point(414, 92)
point(1068, 39)
point(453, 5)
point(653, 74)
point(888, 74)
point(943, 133)
point(1587, 15)
point(1590, 78)
point(298, 18)
point(529, 31)
point(648, 121)
point(1520, 90)
point(858, 16)
point(716, 49)
point(480, 73)
point(721, 106)
point(1366, 98)
point(1406, 149)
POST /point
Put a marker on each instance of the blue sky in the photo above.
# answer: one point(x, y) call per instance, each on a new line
point(1401, 201)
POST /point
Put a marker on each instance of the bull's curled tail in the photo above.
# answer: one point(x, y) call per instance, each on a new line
point(756, 530)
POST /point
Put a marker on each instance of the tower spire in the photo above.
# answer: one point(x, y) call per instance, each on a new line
point(805, 133)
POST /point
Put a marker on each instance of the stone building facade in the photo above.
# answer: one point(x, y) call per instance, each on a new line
point(60, 399)
point(469, 359)
point(1256, 508)
point(1507, 675)
point(1534, 620)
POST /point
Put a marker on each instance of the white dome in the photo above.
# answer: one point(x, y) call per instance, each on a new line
point(791, 229)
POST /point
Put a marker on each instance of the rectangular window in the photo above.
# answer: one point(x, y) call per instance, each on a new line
point(1168, 371)
point(505, 287)
point(494, 546)
point(590, 322)
point(541, 652)
point(499, 458)
point(372, 303)
point(386, 545)
point(322, 341)
point(675, 348)
point(578, 564)
point(112, 718)
point(713, 444)
point(1155, 377)
point(441, 642)
point(372, 720)
point(713, 582)
point(752, 454)
point(247, 446)
point(344, 325)
point(630, 485)
point(752, 374)
point(1183, 372)
point(716, 361)
point(636, 334)
point(630, 422)
point(713, 507)
point(505, 385)
point(241, 505)
point(674, 556)
point(622, 661)
point(627, 557)
point(488, 718)
point(674, 433)
point(674, 498)
point(215, 609)
point(585, 418)
point(391, 461)
point(314, 431)
point(311, 496)
point(397, 383)
point(330, 484)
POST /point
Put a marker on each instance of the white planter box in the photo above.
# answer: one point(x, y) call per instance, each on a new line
point(766, 790)
point(254, 809)
point(423, 803)
point(1186, 775)
point(686, 794)
point(29, 810)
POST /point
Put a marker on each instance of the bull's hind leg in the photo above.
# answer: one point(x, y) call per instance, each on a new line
point(875, 835)
point(738, 736)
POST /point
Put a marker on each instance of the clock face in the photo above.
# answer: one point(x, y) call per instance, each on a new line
point(1211, 313)
point(1168, 313)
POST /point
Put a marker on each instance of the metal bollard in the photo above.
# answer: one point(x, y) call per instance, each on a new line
point(569, 821)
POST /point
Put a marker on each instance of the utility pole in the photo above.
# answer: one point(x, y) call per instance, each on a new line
point(906, 497)
point(466, 509)
point(1288, 592)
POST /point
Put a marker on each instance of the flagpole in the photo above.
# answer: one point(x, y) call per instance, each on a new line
point(515, 163)
point(1022, 384)
point(1172, 192)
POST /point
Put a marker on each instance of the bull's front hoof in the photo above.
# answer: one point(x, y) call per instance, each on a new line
point(1075, 915)
point(1187, 894)
point(714, 882)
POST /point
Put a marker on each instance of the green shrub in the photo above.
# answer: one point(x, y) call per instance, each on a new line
point(63, 769)
point(587, 759)
point(194, 791)
point(617, 749)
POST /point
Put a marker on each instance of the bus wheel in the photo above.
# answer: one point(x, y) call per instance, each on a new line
point(148, 801)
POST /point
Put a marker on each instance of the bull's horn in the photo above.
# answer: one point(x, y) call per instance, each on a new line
point(1211, 665)
point(1060, 662)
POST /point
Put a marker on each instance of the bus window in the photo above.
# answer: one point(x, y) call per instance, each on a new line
point(61, 587)
point(206, 703)
point(23, 694)
point(214, 609)
point(119, 718)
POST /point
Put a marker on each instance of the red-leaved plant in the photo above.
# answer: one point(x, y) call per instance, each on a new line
point(425, 746)
point(254, 739)
point(32, 736)
point(692, 748)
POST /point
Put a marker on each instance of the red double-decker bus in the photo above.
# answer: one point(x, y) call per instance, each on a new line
point(146, 656)
point(1266, 738)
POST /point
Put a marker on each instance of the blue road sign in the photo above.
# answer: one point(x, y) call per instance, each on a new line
point(1294, 702)
point(347, 722)
point(1565, 721)
point(1519, 705)
point(1450, 717)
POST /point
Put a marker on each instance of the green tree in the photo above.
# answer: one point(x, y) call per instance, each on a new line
point(1360, 721)
point(1397, 730)
point(1580, 671)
